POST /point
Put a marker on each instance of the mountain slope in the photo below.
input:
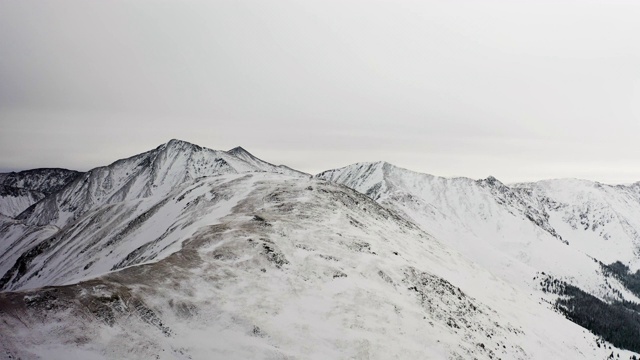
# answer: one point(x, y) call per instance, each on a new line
point(155, 172)
point(187, 252)
point(600, 220)
point(114, 236)
point(19, 190)
point(115, 216)
point(508, 230)
point(15, 200)
point(296, 268)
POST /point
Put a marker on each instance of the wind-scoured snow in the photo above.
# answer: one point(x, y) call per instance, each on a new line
point(600, 220)
point(123, 234)
point(184, 252)
point(19, 190)
point(153, 173)
point(298, 268)
point(124, 214)
point(515, 232)
point(18, 238)
point(14, 200)
point(46, 181)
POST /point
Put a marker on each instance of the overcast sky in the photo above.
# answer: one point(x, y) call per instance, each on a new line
point(521, 90)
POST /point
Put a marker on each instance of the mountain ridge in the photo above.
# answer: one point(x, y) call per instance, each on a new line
point(456, 203)
point(291, 259)
point(126, 194)
point(141, 175)
point(20, 190)
point(168, 249)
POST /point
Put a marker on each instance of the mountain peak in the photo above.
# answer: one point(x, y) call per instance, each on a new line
point(177, 143)
point(493, 181)
point(240, 151)
point(237, 149)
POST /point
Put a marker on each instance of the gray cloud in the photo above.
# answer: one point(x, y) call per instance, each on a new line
point(521, 90)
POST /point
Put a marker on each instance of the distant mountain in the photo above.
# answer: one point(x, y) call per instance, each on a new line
point(243, 154)
point(19, 190)
point(46, 181)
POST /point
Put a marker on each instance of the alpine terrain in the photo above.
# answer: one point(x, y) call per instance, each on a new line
point(19, 190)
point(184, 252)
point(572, 242)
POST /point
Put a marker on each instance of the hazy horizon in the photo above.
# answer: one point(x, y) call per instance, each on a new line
point(4, 170)
point(522, 91)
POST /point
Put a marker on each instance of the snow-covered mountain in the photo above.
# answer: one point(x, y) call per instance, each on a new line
point(273, 266)
point(47, 181)
point(559, 226)
point(19, 190)
point(154, 172)
point(115, 216)
point(600, 220)
point(15, 200)
point(191, 253)
point(569, 230)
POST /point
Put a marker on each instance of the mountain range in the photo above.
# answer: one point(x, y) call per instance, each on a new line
point(191, 253)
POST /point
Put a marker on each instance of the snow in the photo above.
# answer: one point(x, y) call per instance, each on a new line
point(20, 190)
point(317, 277)
point(151, 174)
point(493, 224)
point(600, 220)
point(13, 201)
point(261, 165)
point(185, 252)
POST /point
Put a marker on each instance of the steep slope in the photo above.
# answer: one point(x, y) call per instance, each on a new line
point(15, 200)
point(19, 190)
point(17, 239)
point(600, 220)
point(108, 217)
point(284, 267)
point(508, 230)
point(114, 236)
point(152, 173)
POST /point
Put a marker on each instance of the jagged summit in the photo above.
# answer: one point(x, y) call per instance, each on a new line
point(242, 153)
point(492, 181)
point(45, 180)
point(238, 150)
